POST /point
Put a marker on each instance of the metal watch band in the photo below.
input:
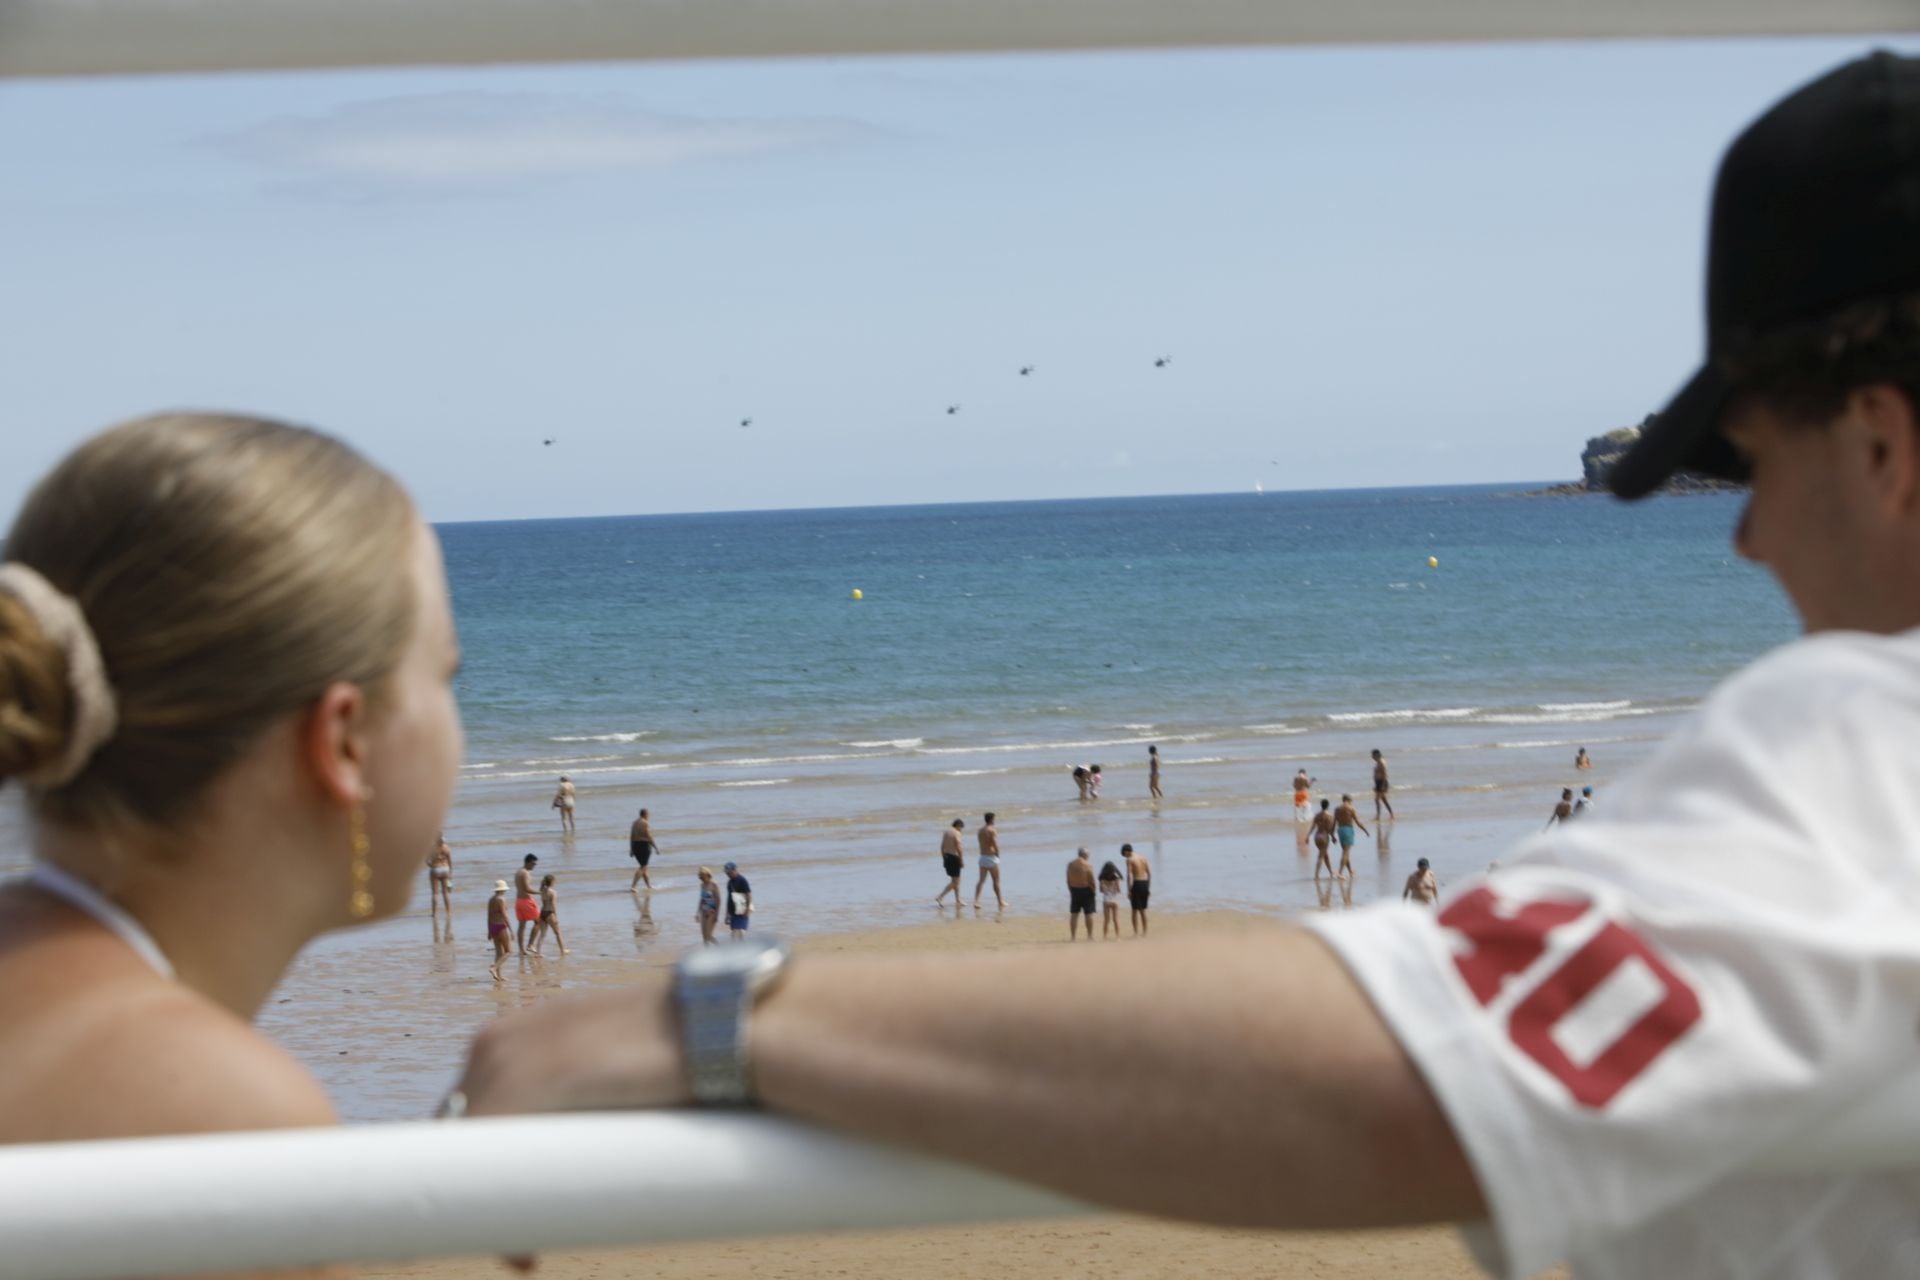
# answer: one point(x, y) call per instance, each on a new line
point(716, 991)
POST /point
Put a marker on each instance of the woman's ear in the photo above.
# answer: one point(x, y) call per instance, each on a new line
point(334, 742)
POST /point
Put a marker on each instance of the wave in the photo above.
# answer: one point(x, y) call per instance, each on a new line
point(1621, 705)
point(570, 760)
point(1574, 717)
point(606, 737)
point(1273, 730)
point(1134, 728)
point(1411, 715)
point(902, 744)
point(1066, 746)
point(750, 762)
point(970, 773)
point(755, 782)
point(577, 773)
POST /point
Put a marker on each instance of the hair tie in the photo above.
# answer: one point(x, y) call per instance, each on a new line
point(95, 714)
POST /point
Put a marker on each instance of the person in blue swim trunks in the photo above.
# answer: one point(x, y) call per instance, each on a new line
point(1345, 819)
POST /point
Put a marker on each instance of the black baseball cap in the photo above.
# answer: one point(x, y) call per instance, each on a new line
point(1816, 205)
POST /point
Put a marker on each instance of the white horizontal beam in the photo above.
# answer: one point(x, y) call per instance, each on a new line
point(289, 1198)
point(120, 37)
point(242, 1202)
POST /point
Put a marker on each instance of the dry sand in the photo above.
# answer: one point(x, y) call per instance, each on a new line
point(1094, 1247)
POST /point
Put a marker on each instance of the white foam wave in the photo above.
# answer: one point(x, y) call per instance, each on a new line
point(577, 773)
point(1570, 717)
point(900, 744)
point(1134, 728)
point(753, 762)
point(1273, 730)
point(605, 737)
point(1410, 715)
point(570, 760)
point(1621, 705)
point(755, 782)
point(970, 773)
point(1064, 746)
point(481, 764)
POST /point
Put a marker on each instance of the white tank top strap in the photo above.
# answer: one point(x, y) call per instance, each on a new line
point(89, 901)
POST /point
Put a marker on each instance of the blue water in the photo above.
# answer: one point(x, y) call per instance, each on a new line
point(654, 639)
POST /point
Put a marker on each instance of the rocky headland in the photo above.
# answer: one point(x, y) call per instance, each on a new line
point(1597, 459)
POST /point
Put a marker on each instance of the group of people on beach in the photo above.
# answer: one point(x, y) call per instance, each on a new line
point(1136, 879)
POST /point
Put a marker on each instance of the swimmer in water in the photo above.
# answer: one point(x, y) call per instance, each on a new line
point(1422, 886)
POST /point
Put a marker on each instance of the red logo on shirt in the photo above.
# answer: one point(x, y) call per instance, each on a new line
point(1507, 942)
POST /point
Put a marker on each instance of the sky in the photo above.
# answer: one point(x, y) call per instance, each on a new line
point(1368, 266)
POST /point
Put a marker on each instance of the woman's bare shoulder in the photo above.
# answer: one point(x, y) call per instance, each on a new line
point(138, 1059)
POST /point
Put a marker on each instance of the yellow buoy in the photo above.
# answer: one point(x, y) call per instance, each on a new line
point(1433, 562)
point(859, 594)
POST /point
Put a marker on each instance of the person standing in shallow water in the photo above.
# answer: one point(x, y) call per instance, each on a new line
point(1322, 830)
point(563, 801)
point(952, 861)
point(549, 917)
point(1422, 886)
point(989, 863)
point(1345, 819)
point(440, 876)
point(640, 845)
point(526, 904)
point(1139, 887)
point(1153, 772)
point(1380, 786)
point(498, 931)
point(1112, 885)
point(739, 902)
point(1564, 810)
point(707, 914)
point(1080, 894)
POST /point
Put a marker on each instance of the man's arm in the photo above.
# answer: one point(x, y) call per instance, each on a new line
point(1263, 1089)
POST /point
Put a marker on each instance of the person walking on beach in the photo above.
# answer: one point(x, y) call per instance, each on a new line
point(1112, 885)
point(1302, 807)
point(549, 917)
point(1153, 772)
point(1322, 831)
point(952, 861)
point(1080, 894)
point(526, 905)
point(1345, 819)
point(739, 901)
point(640, 847)
point(1422, 886)
point(707, 914)
point(498, 931)
point(1563, 810)
point(989, 863)
point(1139, 887)
point(1380, 786)
point(563, 801)
point(440, 877)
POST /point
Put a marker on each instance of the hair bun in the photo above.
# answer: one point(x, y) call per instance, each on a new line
point(36, 704)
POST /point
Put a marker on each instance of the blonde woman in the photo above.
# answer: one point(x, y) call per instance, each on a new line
point(226, 662)
point(708, 913)
point(549, 917)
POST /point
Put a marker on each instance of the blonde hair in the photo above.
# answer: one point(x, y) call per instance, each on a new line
point(230, 569)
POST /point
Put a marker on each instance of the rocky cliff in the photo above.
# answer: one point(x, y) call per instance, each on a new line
point(1602, 451)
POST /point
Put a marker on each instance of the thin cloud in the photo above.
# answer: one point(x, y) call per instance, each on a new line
point(468, 141)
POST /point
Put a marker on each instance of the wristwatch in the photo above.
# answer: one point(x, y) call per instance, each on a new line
point(716, 988)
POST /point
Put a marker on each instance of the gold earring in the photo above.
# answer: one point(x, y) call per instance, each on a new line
point(362, 900)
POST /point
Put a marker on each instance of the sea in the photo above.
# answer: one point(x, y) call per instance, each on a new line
point(817, 694)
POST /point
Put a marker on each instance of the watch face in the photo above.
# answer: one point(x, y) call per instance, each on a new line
point(733, 960)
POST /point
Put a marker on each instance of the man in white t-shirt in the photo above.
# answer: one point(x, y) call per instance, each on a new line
point(1592, 1056)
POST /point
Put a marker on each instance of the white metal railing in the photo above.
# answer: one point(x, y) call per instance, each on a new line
point(246, 1201)
point(287, 1198)
point(107, 37)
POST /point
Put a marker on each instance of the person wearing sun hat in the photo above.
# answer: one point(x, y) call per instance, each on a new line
point(499, 932)
point(1621, 1051)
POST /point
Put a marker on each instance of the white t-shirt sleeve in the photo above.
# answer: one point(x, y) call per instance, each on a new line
point(1650, 998)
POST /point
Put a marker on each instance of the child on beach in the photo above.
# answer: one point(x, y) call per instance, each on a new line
point(549, 917)
point(1093, 782)
point(708, 912)
point(498, 932)
point(1112, 883)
